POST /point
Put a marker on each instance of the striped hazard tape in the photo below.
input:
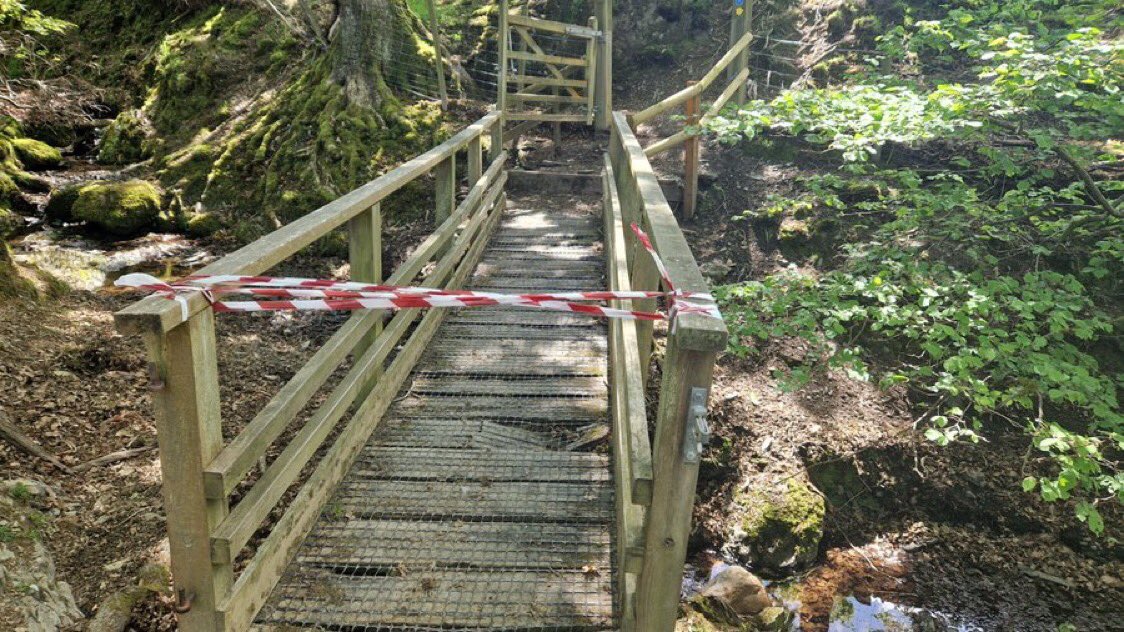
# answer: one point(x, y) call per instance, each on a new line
point(299, 294)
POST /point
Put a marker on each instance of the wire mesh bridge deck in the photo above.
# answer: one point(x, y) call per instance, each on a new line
point(478, 505)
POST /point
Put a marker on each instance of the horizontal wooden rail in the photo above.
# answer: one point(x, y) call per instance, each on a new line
point(556, 60)
point(546, 117)
point(679, 98)
point(545, 98)
point(535, 82)
point(254, 584)
point(632, 450)
point(242, 453)
point(158, 314)
point(680, 137)
point(235, 531)
point(550, 26)
point(693, 343)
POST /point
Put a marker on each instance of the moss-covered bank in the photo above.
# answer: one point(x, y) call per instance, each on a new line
point(238, 113)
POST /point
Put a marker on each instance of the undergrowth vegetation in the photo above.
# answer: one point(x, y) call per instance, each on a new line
point(978, 222)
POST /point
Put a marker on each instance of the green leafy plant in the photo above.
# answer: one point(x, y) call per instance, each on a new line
point(988, 286)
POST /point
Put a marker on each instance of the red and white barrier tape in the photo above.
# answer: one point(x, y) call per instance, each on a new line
point(298, 294)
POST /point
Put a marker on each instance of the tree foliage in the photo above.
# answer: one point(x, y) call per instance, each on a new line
point(988, 285)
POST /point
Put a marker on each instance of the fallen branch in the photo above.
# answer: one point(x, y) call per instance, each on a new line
point(1091, 187)
point(1061, 581)
point(17, 438)
point(112, 457)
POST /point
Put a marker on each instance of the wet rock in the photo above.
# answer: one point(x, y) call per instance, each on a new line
point(36, 155)
point(123, 209)
point(778, 530)
point(733, 595)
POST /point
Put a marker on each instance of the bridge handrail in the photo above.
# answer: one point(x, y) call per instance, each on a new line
point(200, 472)
point(652, 540)
point(681, 97)
point(156, 314)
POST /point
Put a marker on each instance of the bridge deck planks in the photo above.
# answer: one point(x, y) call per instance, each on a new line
point(465, 510)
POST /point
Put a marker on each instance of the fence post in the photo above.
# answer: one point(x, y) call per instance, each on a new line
point(184, 378)
point(435, 29)
point(591, 84)
point(673, 495)
point(605, 65)
point(691, 159)
point(502, 40)
point(365, 254)
point(739, 26)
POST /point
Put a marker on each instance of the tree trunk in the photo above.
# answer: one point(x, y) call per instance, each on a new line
point(364, 39)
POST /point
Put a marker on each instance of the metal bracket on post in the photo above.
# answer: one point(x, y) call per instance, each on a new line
point(697, 433)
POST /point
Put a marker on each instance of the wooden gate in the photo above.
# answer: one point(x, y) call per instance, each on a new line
point(548, 69)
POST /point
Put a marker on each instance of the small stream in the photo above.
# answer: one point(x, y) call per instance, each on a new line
point(849, 612)
point(85, 262)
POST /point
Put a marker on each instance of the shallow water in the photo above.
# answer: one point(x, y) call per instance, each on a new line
point(86, 264)
point(849, 613)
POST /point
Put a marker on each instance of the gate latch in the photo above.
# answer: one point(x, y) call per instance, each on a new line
point(697, 433)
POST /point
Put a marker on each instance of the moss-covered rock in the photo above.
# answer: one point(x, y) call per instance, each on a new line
point(36, 155)
point(123, 209)
point(126, 139)
point(779, 531)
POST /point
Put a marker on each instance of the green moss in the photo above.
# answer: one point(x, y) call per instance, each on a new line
point(126, 139)
point(36, 155)
point(782, 531)
point(9, 222)
point(124, 209)
point(203, 224)
point(12, 282)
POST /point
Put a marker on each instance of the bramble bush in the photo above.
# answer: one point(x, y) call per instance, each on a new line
point(990, 288)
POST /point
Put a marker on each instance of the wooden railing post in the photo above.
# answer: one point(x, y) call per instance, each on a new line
point(691, 160)
point(185, 392)
point(365, 250)
point(435, 29)
point(742, 13)
point(497, 137)
point(446, 175)
point(605, 65)
point(474, 162)
point(669, 518)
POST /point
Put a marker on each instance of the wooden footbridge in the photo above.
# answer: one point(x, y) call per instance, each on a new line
point(441, 469)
